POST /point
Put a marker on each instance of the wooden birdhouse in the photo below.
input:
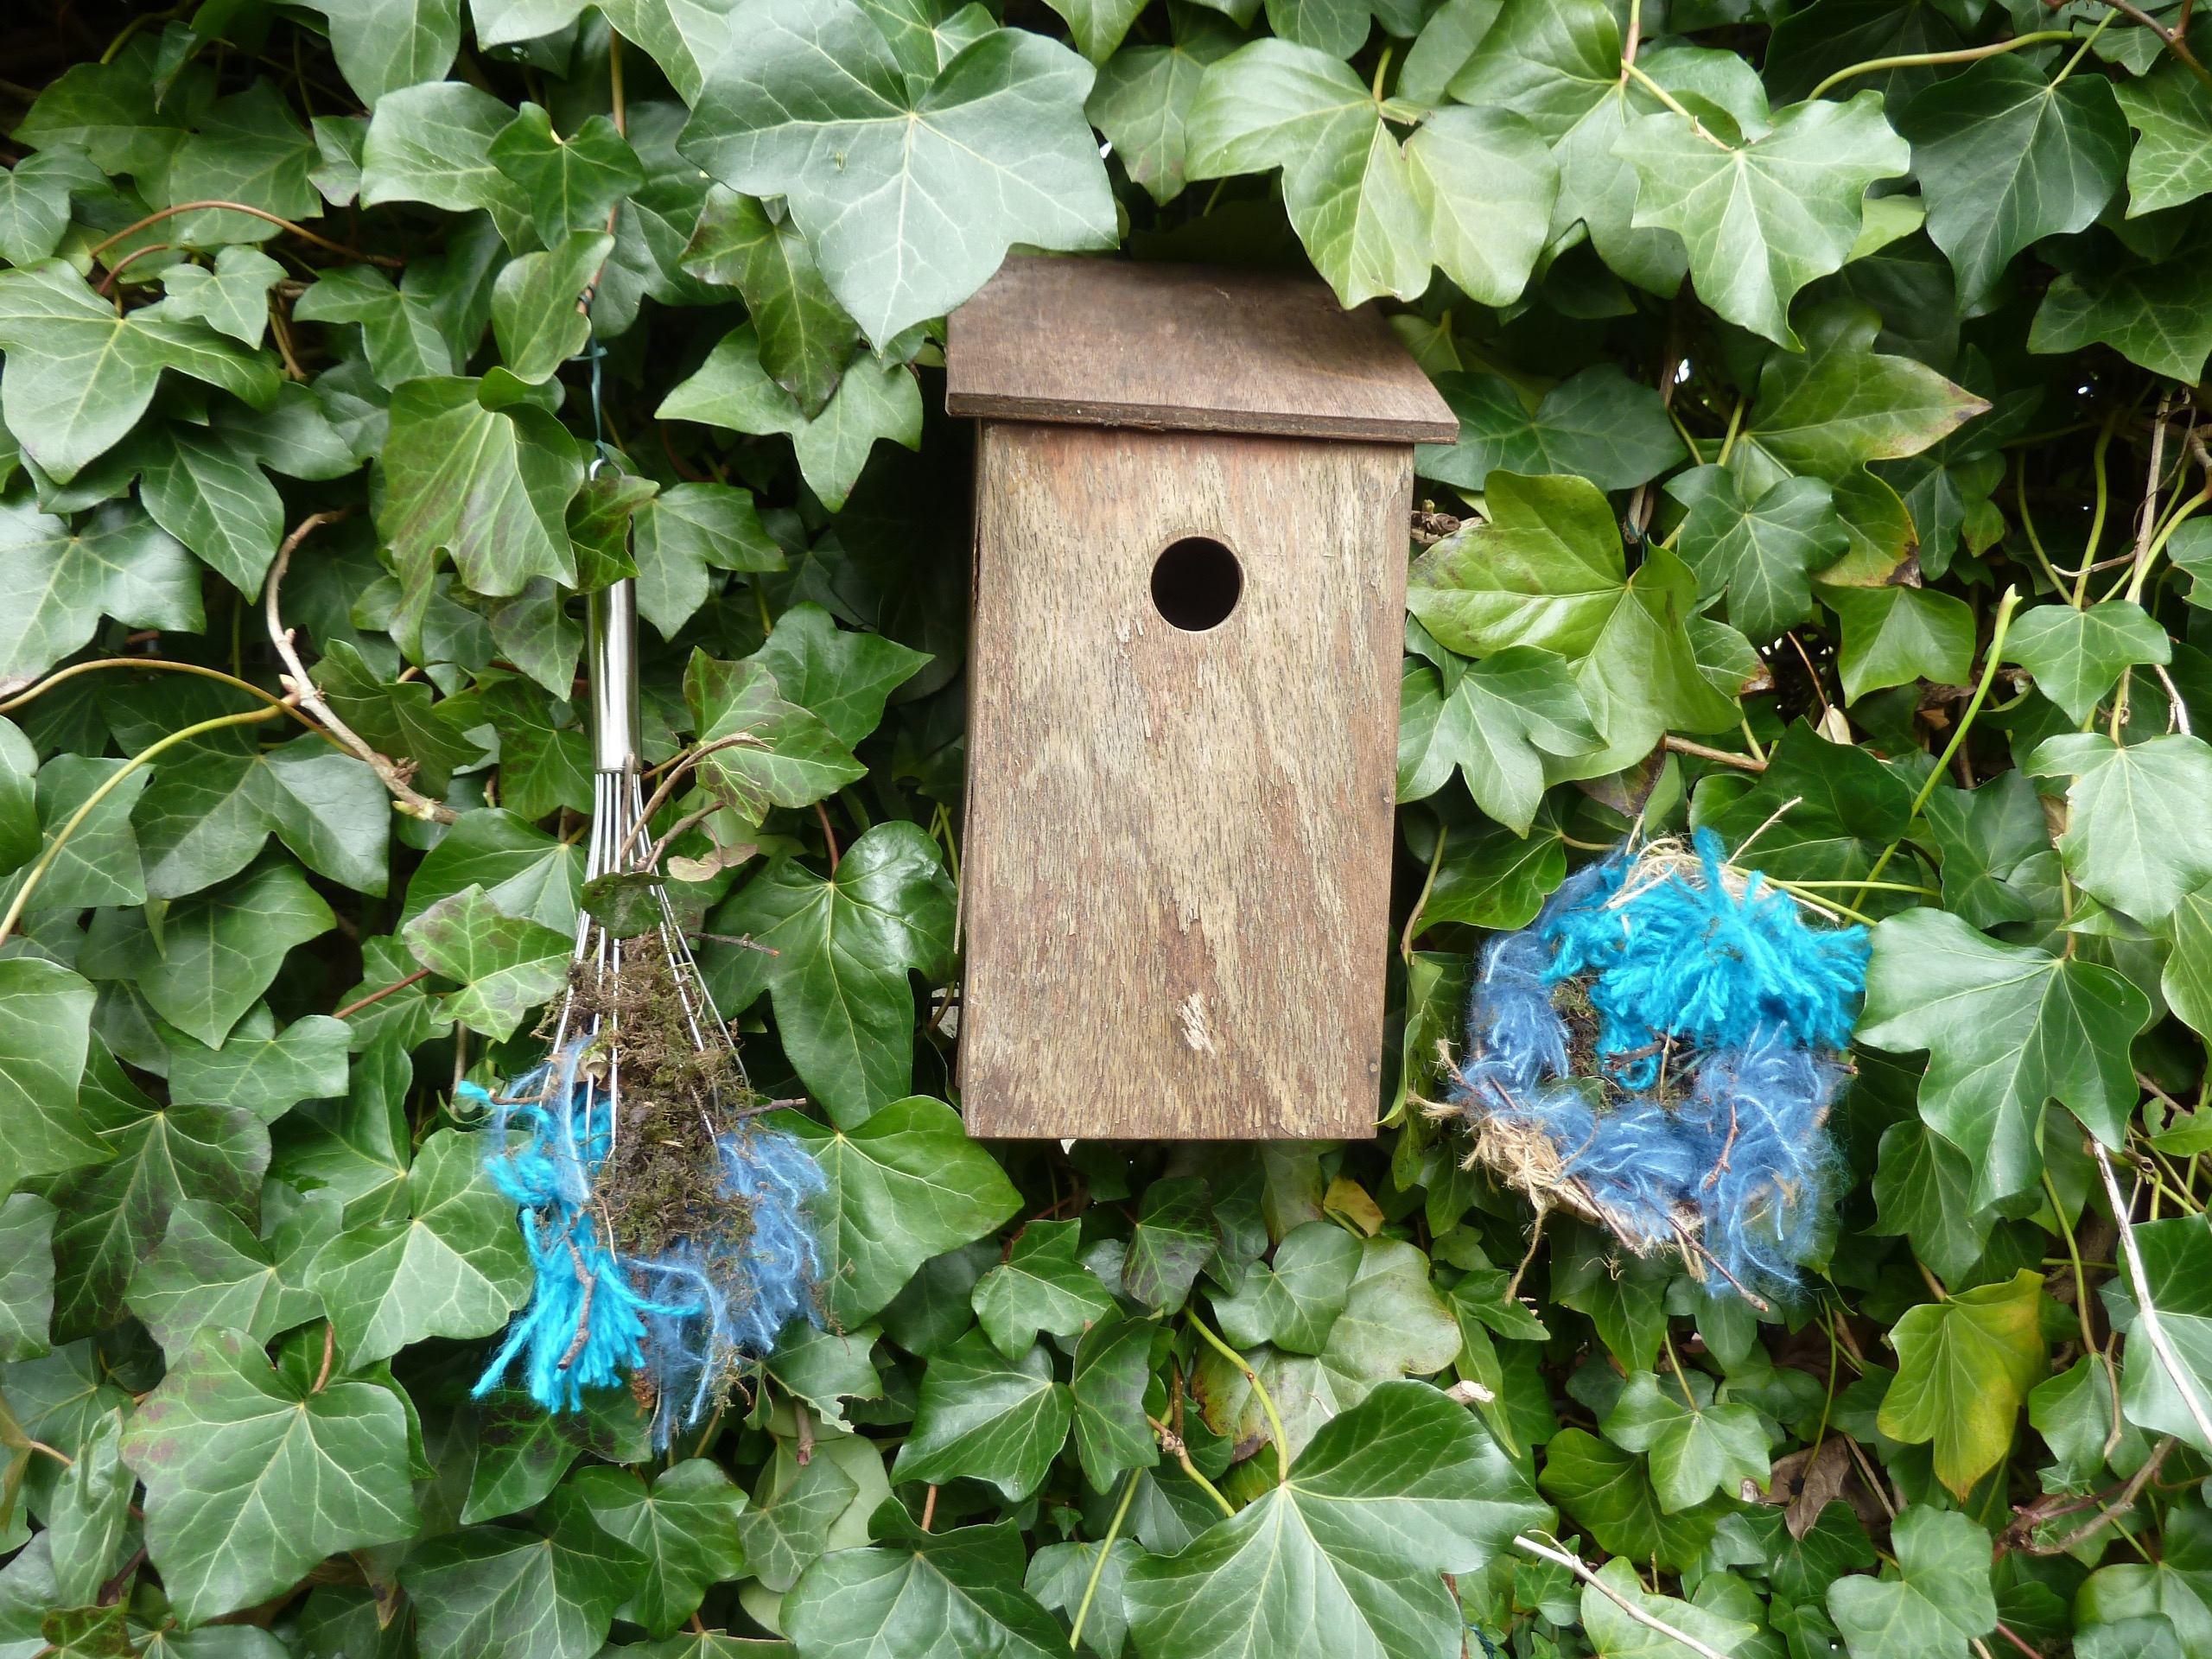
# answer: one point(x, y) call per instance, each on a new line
point(1191, 505)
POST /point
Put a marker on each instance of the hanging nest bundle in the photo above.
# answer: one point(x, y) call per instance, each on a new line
point(667, 1227)
point(1657, 1054)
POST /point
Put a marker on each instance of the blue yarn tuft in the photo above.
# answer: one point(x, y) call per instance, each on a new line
point(683, 1319)
point(1734, 997)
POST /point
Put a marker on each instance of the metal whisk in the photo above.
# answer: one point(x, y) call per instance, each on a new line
point(679, 1322)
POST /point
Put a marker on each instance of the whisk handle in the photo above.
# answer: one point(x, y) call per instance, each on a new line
point(613, 628)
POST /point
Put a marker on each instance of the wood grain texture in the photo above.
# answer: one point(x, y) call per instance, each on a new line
point(1185, 348)
point(1178, 854)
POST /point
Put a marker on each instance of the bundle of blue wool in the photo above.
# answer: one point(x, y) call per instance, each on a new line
point(1711, 1017)
point(682, 1320)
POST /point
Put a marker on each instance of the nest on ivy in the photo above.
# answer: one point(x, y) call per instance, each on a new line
point(1657, 1054)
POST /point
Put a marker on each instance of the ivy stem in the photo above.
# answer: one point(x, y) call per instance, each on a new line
point(2097, 519)
point(2073, 1255)
point(1421, 899)
point(2146, 1311)
point(1381, 68)
point(247, 686)
point(45, 859)
point(240, 207)
point(1172, 1444)
point(1728, 440)
point(1098, 1567)
point(2176, 41)
point(2103, 25)
point(1267, 1402)
point(1675, 104)
point(2002, 625)
point(1917, 60)
point(107, 283)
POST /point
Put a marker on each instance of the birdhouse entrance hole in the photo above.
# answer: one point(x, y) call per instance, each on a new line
point(1195, 583)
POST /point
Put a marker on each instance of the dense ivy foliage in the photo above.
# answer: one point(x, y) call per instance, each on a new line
point(1829, 474)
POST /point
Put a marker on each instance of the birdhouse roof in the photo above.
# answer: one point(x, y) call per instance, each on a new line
point(1104, 342)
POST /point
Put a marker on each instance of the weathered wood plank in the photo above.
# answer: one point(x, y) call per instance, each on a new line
point(1184, 347)
point(1178, 854)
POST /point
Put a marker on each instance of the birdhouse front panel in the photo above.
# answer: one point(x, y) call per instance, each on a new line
point(1182, 752)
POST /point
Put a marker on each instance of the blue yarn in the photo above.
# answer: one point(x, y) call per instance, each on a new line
point(1736, 995)
point(683, 1318)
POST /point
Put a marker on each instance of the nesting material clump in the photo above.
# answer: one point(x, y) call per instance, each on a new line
point(1657, 1052)
point(666, 1226)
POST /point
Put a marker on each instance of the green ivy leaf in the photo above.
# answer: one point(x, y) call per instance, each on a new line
point(26, 1277)
point(905, 1184)
point(1548, 570)
point(2076, 656)
point(2159, 316)
point(1983, 836)
point(1144, 94)
point(502, 1593)
point(1061, 1577)
point(78, 376)
point(56, 583)
point(845, 945)
point(1849, 808)
point(1112, 1368)
point(535, 315)
point(786, 1531)
point(219, 950)
point(2175, 1261)
point(505, 966)
point(872, 400)
point(992, 150)
point(34, 199)
point(2171, 163)
point(1924, 1187)
point(805, 337)
point(685, 1525)
point(1965, 1367)
point(1609, 1492)
point(432, 144)
point(2073, 1412)
point(382, 47)
point(2005, 158)
point(1893, 636)
point(1939, 1602)
point(913, 1592)
point(1599, 424)
point(89, 1515)
point(490, 486)
point(1696, 1447)
point(1343, 1556)
point(263, 1077)
point(1615, 1635)
point(1760, 553)
point(1374, 217)
point(1294, 1303)
point(2007, 1028)
point(251, 149)
point(680, 533)
point(401, 328)
point(987, 1418)
point(1173, 1239)
point(358, 1149)
point(572, 183)
point(252, 1476)
point(456, 1267)
point(232, 298)
point(845, 677)
point(1041, 1286)
point(794, 759)
point(210, 1269)
point(1763, 217)
point(100, 864)
point(2136, 836)
point(523, 872)
point(46, 1016)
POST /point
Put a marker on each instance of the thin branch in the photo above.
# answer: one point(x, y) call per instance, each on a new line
point(329, 1353)
point(678, 770)
point(405, 796)
point(2173, 42)
point(352, 1008)
point(240, 207)
point(2146, 1311)
point(1650, 1621)
point(2119, 1505)
point(1098, 1567)
point(2177, 709)
point(1725, 757)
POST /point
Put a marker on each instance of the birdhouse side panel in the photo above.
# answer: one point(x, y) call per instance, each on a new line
point(1177, 868)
